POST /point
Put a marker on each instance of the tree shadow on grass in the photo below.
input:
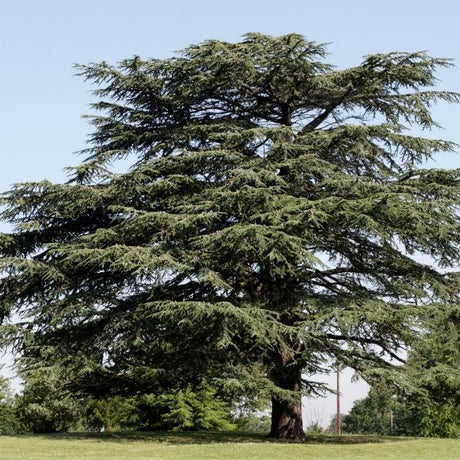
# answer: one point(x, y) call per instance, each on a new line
point(206, 437)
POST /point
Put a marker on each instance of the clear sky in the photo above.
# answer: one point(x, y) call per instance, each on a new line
point(41, 101)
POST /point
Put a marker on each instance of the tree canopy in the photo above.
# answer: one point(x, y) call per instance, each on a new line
point(271, 220)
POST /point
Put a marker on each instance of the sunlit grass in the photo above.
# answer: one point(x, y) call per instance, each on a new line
point(199, 446)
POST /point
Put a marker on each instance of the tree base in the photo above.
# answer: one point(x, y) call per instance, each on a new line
point(287, 420)
point(290, 435)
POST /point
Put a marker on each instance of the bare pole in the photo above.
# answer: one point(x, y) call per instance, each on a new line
point(338, 416)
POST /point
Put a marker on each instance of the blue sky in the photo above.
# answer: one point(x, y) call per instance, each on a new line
point(41, 101)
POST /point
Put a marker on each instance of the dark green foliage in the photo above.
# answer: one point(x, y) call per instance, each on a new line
point(429, 403)
point(110, 414)
point(46, 406)
point(439, 419)
point(254, 423)
point(315, 428)
point(382, 413)
point(9, 422)
point(332, 427)
point(434, 367)
point(180, 410)
point(184, 410)
point(270, 220)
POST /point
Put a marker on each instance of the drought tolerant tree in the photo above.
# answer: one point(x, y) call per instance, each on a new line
point(269, 220)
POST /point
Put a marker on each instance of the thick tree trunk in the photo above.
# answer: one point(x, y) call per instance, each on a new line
point(286, 421)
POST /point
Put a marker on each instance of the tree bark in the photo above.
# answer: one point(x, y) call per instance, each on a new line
point(286, 420)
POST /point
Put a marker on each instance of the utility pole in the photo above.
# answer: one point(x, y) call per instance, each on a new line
point(338, 417)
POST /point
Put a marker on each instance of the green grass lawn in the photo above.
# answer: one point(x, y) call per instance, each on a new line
point(204, 446)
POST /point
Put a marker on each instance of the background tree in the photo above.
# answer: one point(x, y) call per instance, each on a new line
point(257, 423)
point(184, 410)
point(269, 220)
point(381, 412)
point(9, 422)
point(178, 410)
point(429, 403)
point(332, 427)
point(434, 369)
point(111, 414)
point(46, 406)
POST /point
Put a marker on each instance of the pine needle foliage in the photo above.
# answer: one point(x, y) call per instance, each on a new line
point(272, 218)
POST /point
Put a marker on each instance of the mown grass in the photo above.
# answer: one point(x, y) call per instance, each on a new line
point(232, 445)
